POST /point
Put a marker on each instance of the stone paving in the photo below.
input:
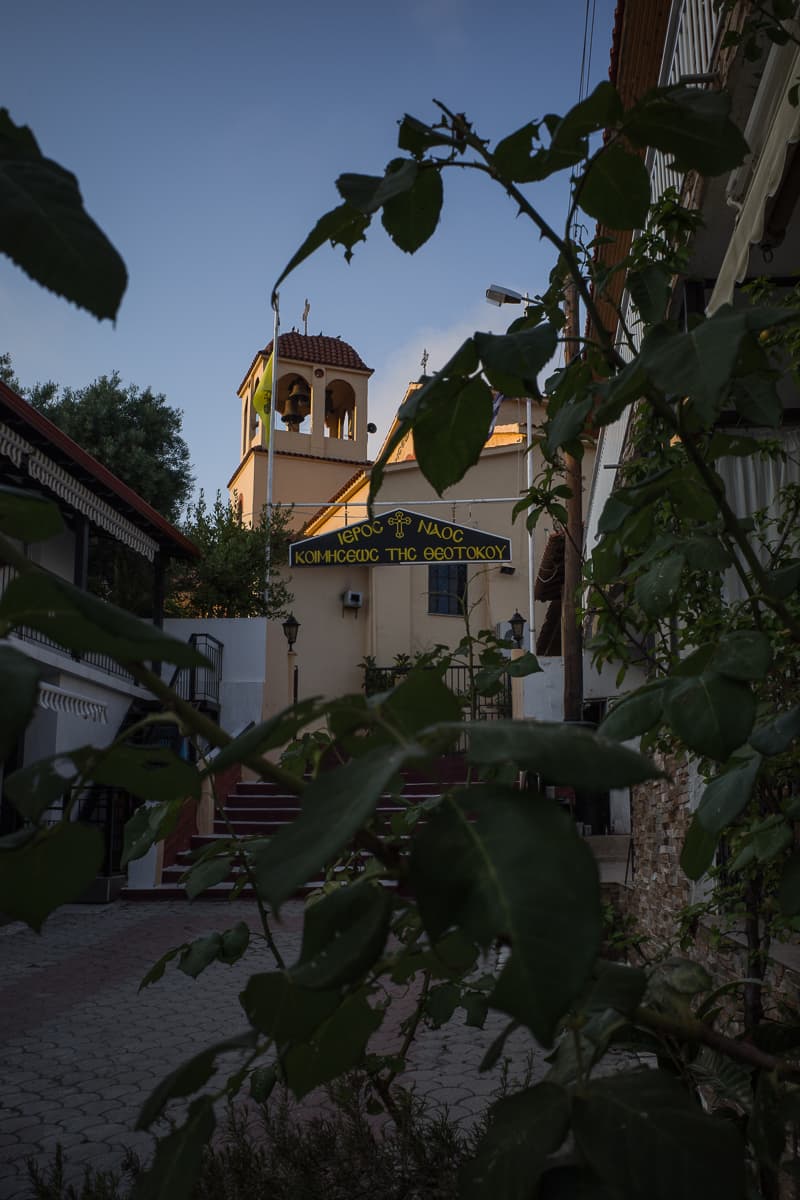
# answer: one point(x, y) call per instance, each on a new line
point(81, 1047)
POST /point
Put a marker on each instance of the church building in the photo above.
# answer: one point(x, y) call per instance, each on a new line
point(353, 607)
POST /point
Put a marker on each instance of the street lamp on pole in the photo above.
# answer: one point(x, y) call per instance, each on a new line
point(290, 627)
point(496, 294)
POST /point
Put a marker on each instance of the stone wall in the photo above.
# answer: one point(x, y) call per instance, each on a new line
point(660, 816)
point(652, 896)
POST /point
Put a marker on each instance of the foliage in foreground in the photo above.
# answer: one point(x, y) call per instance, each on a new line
point(427, 895)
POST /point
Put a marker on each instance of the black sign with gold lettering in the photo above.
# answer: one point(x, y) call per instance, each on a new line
point(397, 539)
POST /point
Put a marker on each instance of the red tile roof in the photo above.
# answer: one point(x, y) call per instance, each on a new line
point(299, 347)
point(327, 351)
point(41, 432)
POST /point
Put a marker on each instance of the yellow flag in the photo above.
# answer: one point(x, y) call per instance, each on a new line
point(262, 396)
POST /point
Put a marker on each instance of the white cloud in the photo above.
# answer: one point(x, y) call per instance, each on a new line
point(404, 365)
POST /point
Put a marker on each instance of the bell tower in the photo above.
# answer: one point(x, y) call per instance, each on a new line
point(320, 425)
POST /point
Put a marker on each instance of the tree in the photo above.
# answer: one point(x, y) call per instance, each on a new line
point(229, 580)
point(8, 374)
point(133, 431)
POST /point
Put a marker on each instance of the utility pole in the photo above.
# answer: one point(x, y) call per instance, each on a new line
point(571, 641)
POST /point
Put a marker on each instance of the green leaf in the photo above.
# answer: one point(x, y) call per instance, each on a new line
point(53, 868)
point(645, 1136)
point(698, 851)
point(679, 975)
point(511, 357)
point(449, 438)
point(649, 287)
point(785, 581)
point(699, 363)
point(207, 874)
point(46, 231)
point(343, 934)
point(342, 226)
point(655, 591)
point(411, 217)
point(561, 754)
point(178, 1157)
point(149, 824)
point(35, 788)
point(282, 1009)
point(337, 1046)
point(476, 1008)
point(269, 735)
point(523, 1130)
point(262, 1082)
point(335, 806)
point(526, 664)
point(515, 158)
point(79, 621)
point(705, 553)
point(757, 400)
point(691, 124)
point(771, 840)
point(727, 445)
point(600, 110)
point(189, 1077)
point(618, 393)
point(199, 954)
point(727, 796)
point(19, 684)
point(566, 427)
point(28, 517)
point(234, 943)
point(615, 188)
point(616, 511)
point(152, 772)
point(442, 1001)
point(635, 713)
point(789, 887)
point(438, 387)
point(420, 700)
point(777, 735)
point(417, 137)
point(744, 654)
point(618, 986)
point(368, 193)
point(493, 862)
point(713, 715)
point(158, 968)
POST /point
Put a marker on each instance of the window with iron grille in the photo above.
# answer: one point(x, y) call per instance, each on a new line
point(447, 588)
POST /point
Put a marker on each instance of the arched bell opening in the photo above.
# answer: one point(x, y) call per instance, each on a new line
point(340, 410)
point(294, 404)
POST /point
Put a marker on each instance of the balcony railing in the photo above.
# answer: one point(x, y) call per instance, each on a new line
point(92, 658)
point(201, 685)
point(689, 52)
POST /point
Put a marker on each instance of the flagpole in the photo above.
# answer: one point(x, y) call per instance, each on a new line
point(271, 443)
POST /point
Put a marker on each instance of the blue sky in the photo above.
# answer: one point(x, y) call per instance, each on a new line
point(207, 139)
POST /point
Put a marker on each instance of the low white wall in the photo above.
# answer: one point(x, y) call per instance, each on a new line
point(543, 692)
point(244, 641)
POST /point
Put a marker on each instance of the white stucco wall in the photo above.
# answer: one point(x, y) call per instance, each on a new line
point(243, 662)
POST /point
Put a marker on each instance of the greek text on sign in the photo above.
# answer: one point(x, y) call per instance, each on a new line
point(400, 538)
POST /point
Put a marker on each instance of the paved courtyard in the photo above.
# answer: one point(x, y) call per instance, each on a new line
point(81, 1047)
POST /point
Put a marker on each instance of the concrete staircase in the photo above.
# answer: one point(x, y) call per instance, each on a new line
point(261, 808)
